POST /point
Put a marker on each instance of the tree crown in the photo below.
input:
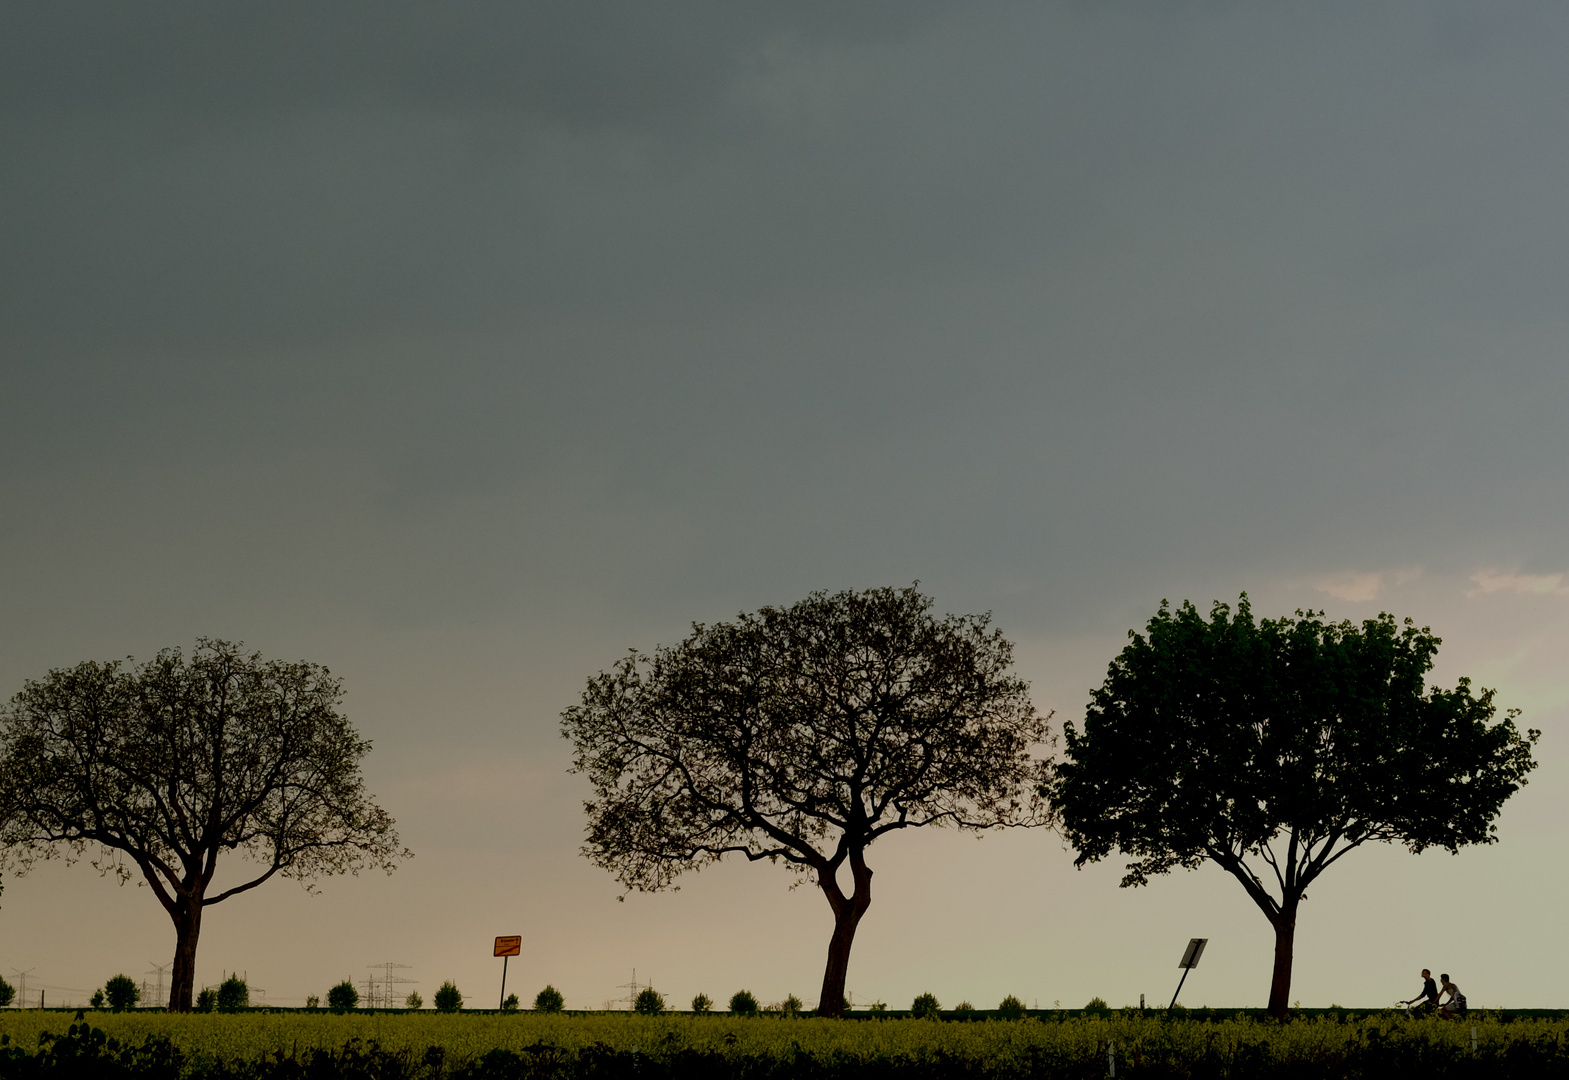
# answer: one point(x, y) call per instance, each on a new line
point(803, 733)
point(1211, 738)
point(173, 761)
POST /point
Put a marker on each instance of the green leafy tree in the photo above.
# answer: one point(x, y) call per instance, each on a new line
point(7, 993)
point(413, 1001)
point(743, 1003)
point(1273, 748)
point(207, 1000)
point(791, 1005)
point(702, 1003)
point(171, 764)
point(97, 1000)
point(510, 1004)
point(448, 998)
point(1010, 1008)
point(312, 1001)
point(233, 994)
point(650, 1002)
point(121, 993)
point(343, 997)
point(801, 735)
point(925, 1006)
point(549, 1000)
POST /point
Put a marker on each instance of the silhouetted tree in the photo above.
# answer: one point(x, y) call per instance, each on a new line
point(548, 1000)
point(121, 993)
point(743, 1003)
point(233, 994)
point(448, 998)
point(1273, 748)
point(165, 766)
point(343, 997)
point(803, 734)
point(650, 1002)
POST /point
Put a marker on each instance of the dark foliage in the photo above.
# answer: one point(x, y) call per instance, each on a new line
point(121, 993)
point(86, 1053)
point(171, 764)
point(800, 735)
point(1274, 748)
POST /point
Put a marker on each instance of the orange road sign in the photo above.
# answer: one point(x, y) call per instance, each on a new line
point(509, 946)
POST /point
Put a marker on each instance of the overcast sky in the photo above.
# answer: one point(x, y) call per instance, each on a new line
point(461, 348)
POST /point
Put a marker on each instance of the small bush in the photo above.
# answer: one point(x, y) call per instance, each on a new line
point(510, 1004)
point(7, 993)
point(925, 1006)
point(343, 997)
point(548, 1000)
point(233, 994)
point(97, 1000)
point(702, 1003)
point(742, 1003)
point(448, 998)
point(121, 993)
point(791, 1006)
point(1097, 1006)
point(1010, 1008)
point(650, 1002)
point(313, 1001)
point(207, 1000)
point(413, 1001)
point(964, 1007)
point(877, 1006)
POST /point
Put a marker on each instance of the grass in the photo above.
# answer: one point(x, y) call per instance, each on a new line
point(1149, 1045)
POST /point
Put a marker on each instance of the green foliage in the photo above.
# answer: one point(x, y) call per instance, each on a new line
point(313, 1001)
point(473, 1047)
point(448, 998)
point(1010, 1008)
point(121, 993)
point(413, 1001)
point(343, 997)
point(925, 1006)
point(1274, 747)
point(97, 1000)
point(549, 1000)
point(7, 993)
point(1096, 1006)
point(207, 1000)
point(650, 1002)
point(233, 994)
point(510, 1004)
point(543, 1047)
point(702, 1003)
point(89, 754)
point(964, 1007)
point(877, 1007)
point(906, 720)
point(743, 1003)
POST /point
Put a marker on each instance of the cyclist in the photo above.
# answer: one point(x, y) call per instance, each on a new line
point(1455, 1006)
point(1429, 995)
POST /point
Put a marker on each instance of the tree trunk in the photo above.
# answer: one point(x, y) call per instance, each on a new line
point(187, 928)
point(1280, 982)
point(847, 916)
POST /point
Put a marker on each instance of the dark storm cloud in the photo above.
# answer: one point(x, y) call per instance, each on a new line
point(706, 296)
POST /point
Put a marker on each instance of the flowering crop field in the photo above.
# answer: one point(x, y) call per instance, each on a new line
point(265, 1044)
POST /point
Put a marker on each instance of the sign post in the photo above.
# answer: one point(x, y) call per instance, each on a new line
point(505, 947)
point(1189, 961)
